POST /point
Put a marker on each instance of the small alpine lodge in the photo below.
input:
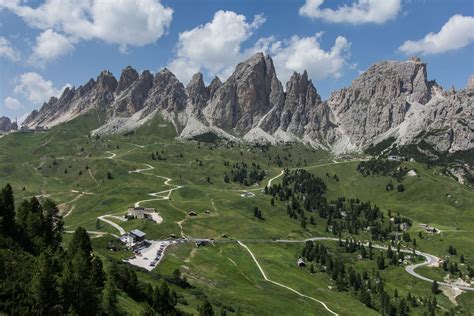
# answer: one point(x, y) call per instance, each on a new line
point(140, 212)
point(134, 239)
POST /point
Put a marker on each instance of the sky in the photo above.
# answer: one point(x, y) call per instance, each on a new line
point(46, 46)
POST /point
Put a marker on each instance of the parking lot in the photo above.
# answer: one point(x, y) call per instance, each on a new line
point(149, 257)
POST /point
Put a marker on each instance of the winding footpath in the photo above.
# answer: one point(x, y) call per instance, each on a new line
point(269, 183)
point(165, 195)
point(116, 226)
point(158, 196)
point(282, 285)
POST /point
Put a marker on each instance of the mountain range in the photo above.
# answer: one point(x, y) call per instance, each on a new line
point(392, 103)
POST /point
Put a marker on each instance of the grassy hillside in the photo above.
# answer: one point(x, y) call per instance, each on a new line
point(71, 167)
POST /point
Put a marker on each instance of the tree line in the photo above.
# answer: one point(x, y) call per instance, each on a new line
point(40, 277)
point(244, 174)
point(305, 192)
point(367, 286)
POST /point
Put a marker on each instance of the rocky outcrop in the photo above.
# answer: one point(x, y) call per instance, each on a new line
point(95, 94)
point(6, 125)
point(128, 76)
point(132, 98)
point(216, 83)
point(379, 99)
point(250, 92)
point(167, 94)
point(470, 85)
point(390, 100)
point(198, 94)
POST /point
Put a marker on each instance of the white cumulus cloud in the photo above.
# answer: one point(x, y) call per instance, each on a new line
point(7, 50)
point(359, 12)
point(305, 53)
point(12, 103)
point(49, 46)
point(122, 22)
point(214, 47)
point(456, 33)
point(35, 88)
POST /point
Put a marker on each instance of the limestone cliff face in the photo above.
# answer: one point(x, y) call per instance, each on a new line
point(379, 99)
point(391, 99)
point(95, 94)
point(132, 92)
point(198, 94)
point(249, 93)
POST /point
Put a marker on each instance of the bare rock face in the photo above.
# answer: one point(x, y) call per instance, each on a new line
point(300, 100)
point(215, 84)
point(168, 93)
point(198, 93)
point(6, 125)
point(470, 85)
point(449, 122)
point(95, 94)
point(128, 76)
point(390, 100)
point(250, 92)
point(379, 99)
point(132, 98)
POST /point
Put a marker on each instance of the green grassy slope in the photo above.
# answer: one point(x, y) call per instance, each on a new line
point(71, 168)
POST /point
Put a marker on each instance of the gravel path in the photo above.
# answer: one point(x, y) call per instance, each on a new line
point(282, 285)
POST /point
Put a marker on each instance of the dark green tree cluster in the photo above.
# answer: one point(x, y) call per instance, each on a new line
point(257, 212)
point(379, 167)
point(244, 174)
point(157, 156)
point(453, 268)
point(305, 192)
point(37, 276)
point(161, 299)
point(452, 251)
point(367, 286)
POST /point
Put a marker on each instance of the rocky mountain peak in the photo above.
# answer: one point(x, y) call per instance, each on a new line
point(249, 93)
point(128, 76)
point(470, 84)
point(107, 81)
point(392, 99)
point(300, 100)
point(215, 84)
point(197, 92)
point(167, 93)
point(6, 125)
point(132, 98)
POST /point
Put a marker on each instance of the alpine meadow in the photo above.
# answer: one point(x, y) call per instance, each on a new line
point(278, 158)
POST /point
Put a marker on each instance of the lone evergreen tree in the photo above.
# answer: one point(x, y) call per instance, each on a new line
point(109, 296)
point(206, 309)
point(435, 287)
point(43, 286)
point(7, 210)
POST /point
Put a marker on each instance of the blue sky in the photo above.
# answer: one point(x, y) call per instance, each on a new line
point(46, 45)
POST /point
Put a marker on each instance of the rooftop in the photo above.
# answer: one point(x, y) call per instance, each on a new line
point(138, 233)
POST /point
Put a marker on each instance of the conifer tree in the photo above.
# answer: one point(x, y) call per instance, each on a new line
point(109, 296)
point(206, 309)
point(7, 211)
point(43, 286)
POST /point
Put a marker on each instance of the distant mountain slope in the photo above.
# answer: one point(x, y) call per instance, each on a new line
point(6, 125)
point(390, 101)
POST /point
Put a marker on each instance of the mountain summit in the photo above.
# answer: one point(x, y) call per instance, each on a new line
point(392, 101)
